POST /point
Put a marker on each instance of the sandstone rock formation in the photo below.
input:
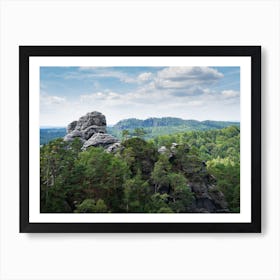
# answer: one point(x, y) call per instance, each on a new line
point(91, 130)
point(207, 197)
point(100, 139)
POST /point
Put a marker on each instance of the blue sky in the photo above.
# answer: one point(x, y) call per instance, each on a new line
point(201, 93)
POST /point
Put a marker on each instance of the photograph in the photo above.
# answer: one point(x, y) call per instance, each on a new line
point(140, 139)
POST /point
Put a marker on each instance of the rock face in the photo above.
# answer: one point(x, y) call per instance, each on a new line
point(100, 139)
point(114, 148)
point(207, 197)
point(91, 130)
point(170, 152)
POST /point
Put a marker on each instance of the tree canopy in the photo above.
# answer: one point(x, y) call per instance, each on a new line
point(137, 178)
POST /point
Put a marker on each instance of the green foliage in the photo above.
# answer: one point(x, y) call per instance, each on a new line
point(125, 134)
point(136, 194)
point(219, 149)
point(154, 127)
point(175, 184)
point(139, 155)
point(227, 173)
point(137, 179)
point(100, 206)
point(104, 176)
point(159, 203)
point(181, 195)
point(169, 121)
point(89, 206)
point(165, 210)
point(59, 177)
point(139, 132)
point(160, 174)
point(188, 162)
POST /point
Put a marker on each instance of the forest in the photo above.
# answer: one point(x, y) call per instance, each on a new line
point(153, 127)
point(179, 172)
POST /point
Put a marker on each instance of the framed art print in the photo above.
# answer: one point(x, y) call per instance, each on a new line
point(140, 138)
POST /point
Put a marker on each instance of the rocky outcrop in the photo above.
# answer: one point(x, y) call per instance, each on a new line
point(169, 152)
point(207, 197)
point(114, 148)
point(100, 140)
point(91, 130)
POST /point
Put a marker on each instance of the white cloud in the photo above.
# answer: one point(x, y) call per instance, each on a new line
point(101, 72)
point(146, 76)
point(46, 99)
point(196, 103)
point(230, 93)
point(184, 77)
point(86, 68)
point(84, 98)
point(193, 73)
point(99, 97)
point(186, 92)
point(167, 78)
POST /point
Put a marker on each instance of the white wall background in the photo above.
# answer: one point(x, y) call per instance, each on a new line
point(139, 256)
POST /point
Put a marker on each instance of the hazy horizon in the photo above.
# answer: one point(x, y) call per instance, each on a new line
point(198, 93)
point(108, 124)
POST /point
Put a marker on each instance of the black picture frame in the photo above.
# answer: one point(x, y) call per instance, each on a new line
point(254, 52)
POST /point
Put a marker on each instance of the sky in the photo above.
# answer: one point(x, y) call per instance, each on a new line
point(200, 93)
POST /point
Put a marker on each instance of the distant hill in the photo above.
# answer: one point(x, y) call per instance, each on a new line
point(169, 121)
point(154, 127)
point(151, 122)
point(48, 134)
